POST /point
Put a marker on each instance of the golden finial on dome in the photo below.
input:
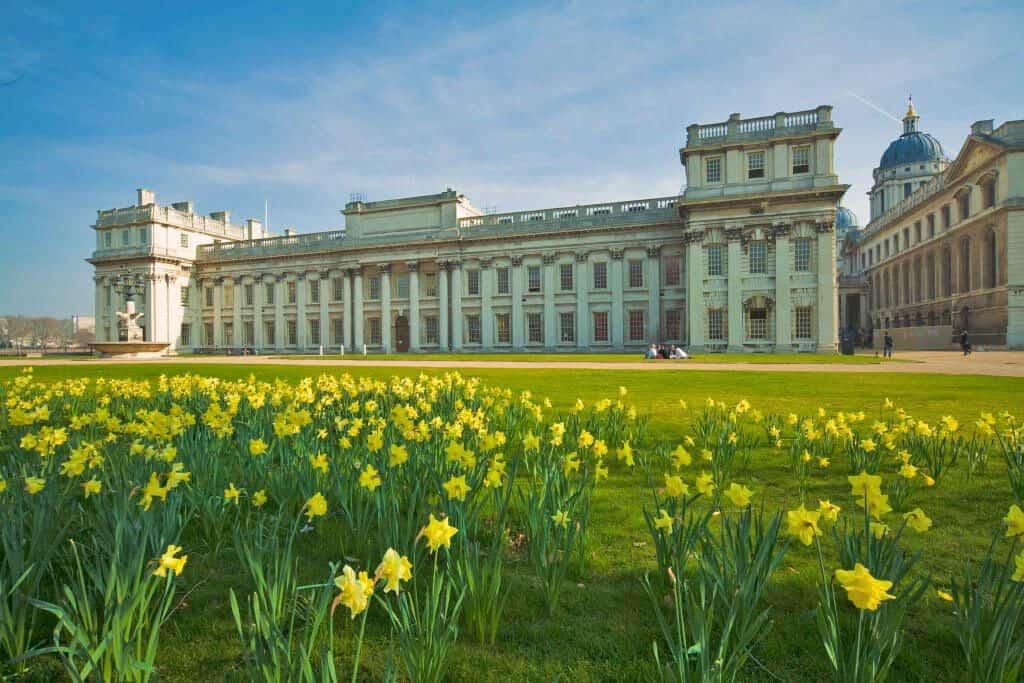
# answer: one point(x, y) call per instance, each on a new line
point(910, 107)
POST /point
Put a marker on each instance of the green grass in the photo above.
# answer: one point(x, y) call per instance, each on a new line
point(756, 358)
point(605, 628)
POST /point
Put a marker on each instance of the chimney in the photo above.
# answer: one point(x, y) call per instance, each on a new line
point(982, 127)
point(221, 216)
point(145, 197)
point(184, 207)
point(253, 229)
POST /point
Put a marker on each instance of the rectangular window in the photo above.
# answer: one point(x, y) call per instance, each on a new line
point(714, 257)
point(931, 225)
point(964, 200)
point(291, 288)
point(503, 321)
point(600, 275)
point(337, 289)
point(565, 276)
point(430, 284)
point(803, 322)
point(373, 291)
point(503, 280)
point(716, 324)
point(801, 159)
point(292, 332)
point(674, 323)
point(600, 326)
point(183, 239)
point(917, 232)
point(533, 278)
point(473, 329)
point(373, 331)
point(906, 238)
point(908, 188)
point(757, 323)
point(567, 327)
point(314, 291)
point(142, 235)
point(534, 328)
point(337, 331)
point(673, 267)
point(758, 252)
point(268, 333)
point(184, 295)
point(636, 274)
point(402, 286)
point(802, 256)
point(431, 328)
point(229, 334)
point(637, 333)
point(186, 334)
point(755, 165)
point(473, 282)
point(107, 238)
point(946, 217)
point(269, 291)
point(126, 237)
point(250, 294)
point(248, 333)
point(207, 334)
point(229, 295)
point(209, 296)
point(314, 331)
point(988, 194)
point(713, 170)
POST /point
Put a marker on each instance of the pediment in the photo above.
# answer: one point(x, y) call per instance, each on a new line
point(975, 153)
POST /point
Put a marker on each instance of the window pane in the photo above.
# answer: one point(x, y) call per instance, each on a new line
point(533, 278)
point(600, 326)
point(713, 170)
point(600, 275)
point(636, 326)
point(565, 276)
point(568, 326)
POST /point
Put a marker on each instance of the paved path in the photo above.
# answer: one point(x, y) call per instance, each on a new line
point(995, 363)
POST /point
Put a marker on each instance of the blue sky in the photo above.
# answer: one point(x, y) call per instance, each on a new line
point(516, 105)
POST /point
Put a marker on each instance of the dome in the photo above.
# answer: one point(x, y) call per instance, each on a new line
point(845, 219)
point(911, 148)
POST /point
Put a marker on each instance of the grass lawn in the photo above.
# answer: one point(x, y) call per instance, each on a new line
point(758, 358)
point(605, 627)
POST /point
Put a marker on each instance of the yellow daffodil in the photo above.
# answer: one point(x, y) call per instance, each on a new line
point(863, 590)
point(398, 455)
point(917, 520)
point(943, 595)
point(92, 486)
point(231, 494)
point(663, 522)
point(257, 447)
point(561, 519)
point(369, 478)
point(151, 491)
point(878, 529)
point(675, 487)
point(356, 591)
point(316, 506)
point(738, 495)
point(170, 562)
point(438, 533)
point(803, 524)
point(394, 569)
point(829, 511)
point(1014, 521)
point(1018, 563)
point(908, 471)
point(259, 499)
point(34, 485)
point(705, 484)
point(681, 457)
point(456, 488)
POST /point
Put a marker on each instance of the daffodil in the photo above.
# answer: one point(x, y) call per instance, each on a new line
point(369, 478)
point(738, 495)
point(863, 590)
point(93, 486)
point(917, 520)
point(356, 591)
point(257, 447)
point(259, 499)
point(561, 519)
point(829, 511)
point(675, 487)
point(394, 568)
point(315, 506)
point(663, 522)
point(1018, 563)
point(170, 562)
point(398, 455)
point(438, 533)
point(943, 595)
point(803, 524)
point(34, 485)
point(705, 484)
point(231, 494)
point(1014, 521)
point(681, 457)
point(456, 488)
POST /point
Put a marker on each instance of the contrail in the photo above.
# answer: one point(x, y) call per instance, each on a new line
point(872, 105)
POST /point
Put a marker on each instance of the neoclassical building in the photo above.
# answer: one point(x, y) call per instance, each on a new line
point(944, 250)
point(744, 259)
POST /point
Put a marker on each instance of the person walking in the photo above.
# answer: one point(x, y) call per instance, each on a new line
point(887, 345)
point(965, 343)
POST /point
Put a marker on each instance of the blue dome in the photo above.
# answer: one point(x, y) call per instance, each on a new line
point(911, 148)
point(845, 218)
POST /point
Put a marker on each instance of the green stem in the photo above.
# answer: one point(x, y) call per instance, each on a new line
point(359, 644)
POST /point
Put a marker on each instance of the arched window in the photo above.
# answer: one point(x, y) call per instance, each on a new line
point(991, 266)
point(965, 265)
point(947, 271)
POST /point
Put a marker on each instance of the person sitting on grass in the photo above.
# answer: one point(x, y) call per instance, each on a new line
point(677, 353)
point(651, 353)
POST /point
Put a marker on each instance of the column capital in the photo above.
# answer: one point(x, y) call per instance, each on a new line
point(733, 234)
point(582, 256)
point(412, 266)
point(281, 277)
point(351, 271)
point(616, 254)
point(517, 261)
point(822, 227)
point(653, 251)
point(549, 259)
point(693, 237)
point(325, 275)
point(384, 268)
point(781, 230)
point(485, 263)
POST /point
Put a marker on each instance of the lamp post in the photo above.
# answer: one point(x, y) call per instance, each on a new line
point(129, 284)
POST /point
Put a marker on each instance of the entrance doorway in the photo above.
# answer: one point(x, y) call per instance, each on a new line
point(401, 334)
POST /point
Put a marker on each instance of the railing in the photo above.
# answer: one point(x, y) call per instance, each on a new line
point(759, 127)
point(916, 198)
point(287, 243)
point(140, 250)
point(169, 215)
point(568, 215)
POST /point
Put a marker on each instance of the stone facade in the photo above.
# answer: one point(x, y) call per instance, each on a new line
point(743, 260)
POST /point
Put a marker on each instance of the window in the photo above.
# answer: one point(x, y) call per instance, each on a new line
point(229, 294)
point(431, 330)
point(636, 273)
point(600, 326)
point(107, 238)
point(291, 290)
point(637, 332)
point(268, 333)
point(126, 237)
point(503, 281)
point(269, 291)
point(430, 284)
point(207, 334)
point(758, 252)
point(142, 235)
point(931, 225)
point(250, 294)
point(988, 194)
point(473, 282)
point(534, 328)
point(917, 232)
point(672, 266)
point(314, 331)
point(803, 322)
point(337, 289)
point(565, 276)
point(186, 334)
point(503, 321)
point(248, 333)
point(209, 296)
point(229, 334)
point(183, 239)
point(801, 159)
point(402, 286)
point(757, 323)
point(533, 278)
point(886, 245)
point(964, 203)
point(716, 324)
point(674, 323)
point(373, 331)
point(184, 295)
point(755, 165)
point(567, 327)
point(946, 217)
point(373, 291)
point(600, 275)
point(713, 170)
point(802, 255)
point(473, 329)
point(314, 291)
point(292, 333)
point(906, 238)
point(714, 257)
point(907, 189)
point(337, 331)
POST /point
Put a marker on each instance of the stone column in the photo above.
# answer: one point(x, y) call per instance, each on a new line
point(486, 314)
point(301, 297)
point(551, 334)
point(151, 313)
point(101, 312)
point(582, 283)
point(236, 312)
point(218, 325)
point(457, 322)
point(695, 289)
point(653, 276)
point(325, 296)
point(385, 307)
point(442, 295)
point(414, 305)
point(518, 321)
point(827, 291)
point(734, 245)
point(346, 309)
point(258, 297)
point(357, 311)
point(196, 302)
point(618, 310)
point(280, 287)
point(783, 300)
